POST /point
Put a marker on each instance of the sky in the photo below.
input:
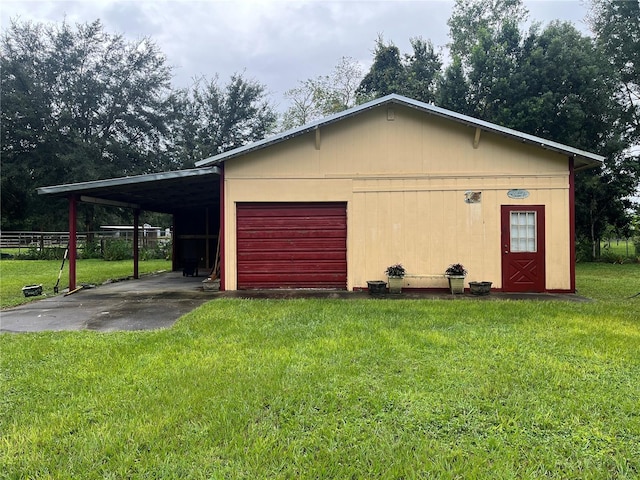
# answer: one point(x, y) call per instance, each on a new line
point(277, 43)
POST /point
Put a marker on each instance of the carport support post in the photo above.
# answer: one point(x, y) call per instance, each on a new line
point(73, 214)
point(136, 221)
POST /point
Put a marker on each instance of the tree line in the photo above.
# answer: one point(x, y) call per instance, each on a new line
point(81, 104)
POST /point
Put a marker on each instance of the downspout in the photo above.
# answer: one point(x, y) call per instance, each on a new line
point(136, 250)
point(73, 212)
point(572, 225)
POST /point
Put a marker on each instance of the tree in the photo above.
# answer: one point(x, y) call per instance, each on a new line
point(324, 95)
point(78, 104)
point(386, 75)
point(413, 75)
point(216, 118)
point(616, 25)
point(422, 69)
point(472, 20)
point(486, 39)
point(452, 89)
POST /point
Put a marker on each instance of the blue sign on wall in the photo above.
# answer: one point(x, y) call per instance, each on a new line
point(518, 193)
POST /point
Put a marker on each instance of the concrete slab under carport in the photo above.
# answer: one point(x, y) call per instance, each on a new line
point(149, 303)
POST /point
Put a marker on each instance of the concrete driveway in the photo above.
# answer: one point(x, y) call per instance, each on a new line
point(152, 302)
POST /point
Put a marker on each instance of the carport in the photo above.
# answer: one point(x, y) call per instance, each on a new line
point(192, 196)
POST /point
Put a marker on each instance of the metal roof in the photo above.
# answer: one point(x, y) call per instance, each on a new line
point(583, 159)
point(164, 192)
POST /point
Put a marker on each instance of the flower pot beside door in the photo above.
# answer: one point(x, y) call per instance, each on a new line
point(456, 274)
point(395, 274)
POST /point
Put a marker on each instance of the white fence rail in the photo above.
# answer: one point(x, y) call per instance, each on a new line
point(23, 241)
point(28, 240)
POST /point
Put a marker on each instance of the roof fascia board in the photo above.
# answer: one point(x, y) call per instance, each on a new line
point(590, 158)
point(136, 179)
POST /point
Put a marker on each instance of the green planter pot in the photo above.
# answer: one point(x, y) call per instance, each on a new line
point(377, 287)
point(480, 288)
point(456, 284)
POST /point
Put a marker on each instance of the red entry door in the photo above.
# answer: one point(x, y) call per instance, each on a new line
point(523, 255)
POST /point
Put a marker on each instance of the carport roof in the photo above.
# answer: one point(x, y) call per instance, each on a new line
point(163, 192)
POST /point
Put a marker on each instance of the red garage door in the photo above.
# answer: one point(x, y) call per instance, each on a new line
point(292, 245)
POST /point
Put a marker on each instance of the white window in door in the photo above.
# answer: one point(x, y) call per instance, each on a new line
point(523, 232)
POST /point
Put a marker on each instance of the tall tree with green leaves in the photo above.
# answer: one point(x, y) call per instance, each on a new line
point(77, 104)
point(414, 75)
point(422, 70)
point(616, 25)
point(211, 118)
point(485, 40)
point(386, 75)
point(452, 89)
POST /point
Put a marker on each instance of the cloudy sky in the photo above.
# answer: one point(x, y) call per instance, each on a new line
point(277, 42)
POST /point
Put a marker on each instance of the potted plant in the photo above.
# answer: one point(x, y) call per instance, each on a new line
point(456, 273)
point(395, 274)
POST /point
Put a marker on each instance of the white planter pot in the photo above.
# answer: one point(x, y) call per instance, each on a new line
point(395, 284)
point(456, 284)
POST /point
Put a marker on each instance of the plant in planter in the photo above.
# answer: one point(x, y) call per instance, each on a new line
point(395, 274)
point(456, 274)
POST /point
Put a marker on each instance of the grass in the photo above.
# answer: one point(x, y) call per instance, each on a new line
point(15, 274)
point(337, 389)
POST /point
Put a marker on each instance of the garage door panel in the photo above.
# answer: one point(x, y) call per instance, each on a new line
point(284, 234)
point(293, 281)
point(298, 243)
point(284, 224)
point(262, 210)
point(258, 255)
point(304, 267)
point(291, 245)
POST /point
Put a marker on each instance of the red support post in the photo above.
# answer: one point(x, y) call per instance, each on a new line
point(136, 252)
point(72, 241)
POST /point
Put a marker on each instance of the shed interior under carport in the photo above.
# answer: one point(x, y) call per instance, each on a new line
point(191, 196)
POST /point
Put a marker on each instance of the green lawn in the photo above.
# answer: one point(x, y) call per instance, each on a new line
point(337, 389)
point(15, 274)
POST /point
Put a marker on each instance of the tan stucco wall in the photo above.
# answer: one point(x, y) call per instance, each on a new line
point(404, 182)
